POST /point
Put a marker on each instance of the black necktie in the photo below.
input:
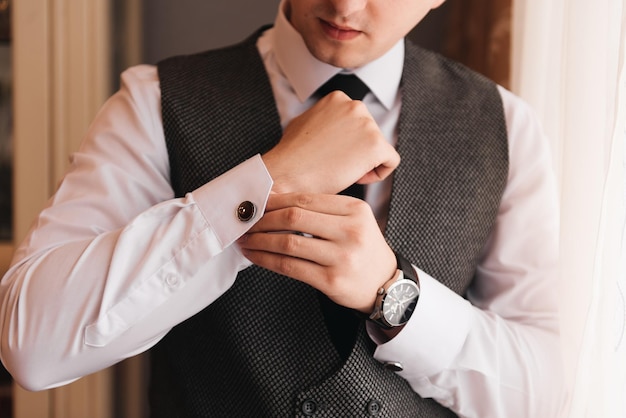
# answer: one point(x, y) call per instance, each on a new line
point(348, 83)
point(342, 323)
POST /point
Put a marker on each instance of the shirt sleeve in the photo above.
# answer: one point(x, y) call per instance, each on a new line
point(114, 260)
point(497, 353)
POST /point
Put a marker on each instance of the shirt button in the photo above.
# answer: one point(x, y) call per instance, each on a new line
point(394, 366)
point(373, 408)
point(172, 280)
point(309, 407)
point(246, 211)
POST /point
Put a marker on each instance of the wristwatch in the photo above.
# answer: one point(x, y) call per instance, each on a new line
point(397, 298)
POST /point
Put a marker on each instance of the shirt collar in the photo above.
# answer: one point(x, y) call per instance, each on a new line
point(306, 73)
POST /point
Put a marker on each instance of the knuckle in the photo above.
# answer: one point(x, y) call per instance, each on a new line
point(304, 200)
point(356, 237)
point(335, 96)
point(347, 257)
point(374, 134)
point(359, 207)
point(332, 281)
point(288, 244)
point(357, 106)
point(284, 266)
point(293, 216)
point(336, 284)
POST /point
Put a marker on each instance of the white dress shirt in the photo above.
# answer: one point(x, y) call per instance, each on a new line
point(114, 261)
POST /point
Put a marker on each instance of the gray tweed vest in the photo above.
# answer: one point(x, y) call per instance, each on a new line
point(263, 348)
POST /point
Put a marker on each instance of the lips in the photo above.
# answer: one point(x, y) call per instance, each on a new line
point(337, 32)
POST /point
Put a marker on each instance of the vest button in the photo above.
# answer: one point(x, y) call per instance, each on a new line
point(309, 407)
point(373, 408)
point(246, 211)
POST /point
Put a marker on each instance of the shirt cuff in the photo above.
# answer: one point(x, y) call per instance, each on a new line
point(434, 335)
point(217, 202)
point(220, 199)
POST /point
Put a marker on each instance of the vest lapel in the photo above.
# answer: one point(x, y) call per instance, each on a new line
point(447, 188)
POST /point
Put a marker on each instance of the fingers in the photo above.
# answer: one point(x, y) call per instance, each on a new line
point(328, 217)
point(325, 278)
point(383, 170)
point(271, 249)
point(317, 228)
point(323, 203)
point(344, 253)
point(320, 263)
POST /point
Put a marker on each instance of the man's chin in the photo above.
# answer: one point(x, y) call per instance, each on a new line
point(345, 57)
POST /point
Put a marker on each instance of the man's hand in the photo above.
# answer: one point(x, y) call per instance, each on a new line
point(334, 144)
point(346, 257)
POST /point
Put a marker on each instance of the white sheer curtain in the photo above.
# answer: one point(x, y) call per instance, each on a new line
point(568, 62)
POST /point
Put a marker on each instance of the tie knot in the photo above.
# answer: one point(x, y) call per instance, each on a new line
point(348, 83)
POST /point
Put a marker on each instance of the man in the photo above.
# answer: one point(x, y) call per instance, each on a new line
point(208, 163)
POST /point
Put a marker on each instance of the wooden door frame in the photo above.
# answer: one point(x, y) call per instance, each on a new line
point(61, 73)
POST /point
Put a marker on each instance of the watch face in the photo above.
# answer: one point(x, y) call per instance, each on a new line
point(400, 302)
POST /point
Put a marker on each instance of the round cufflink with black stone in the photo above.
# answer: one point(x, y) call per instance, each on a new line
point(246, 211)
